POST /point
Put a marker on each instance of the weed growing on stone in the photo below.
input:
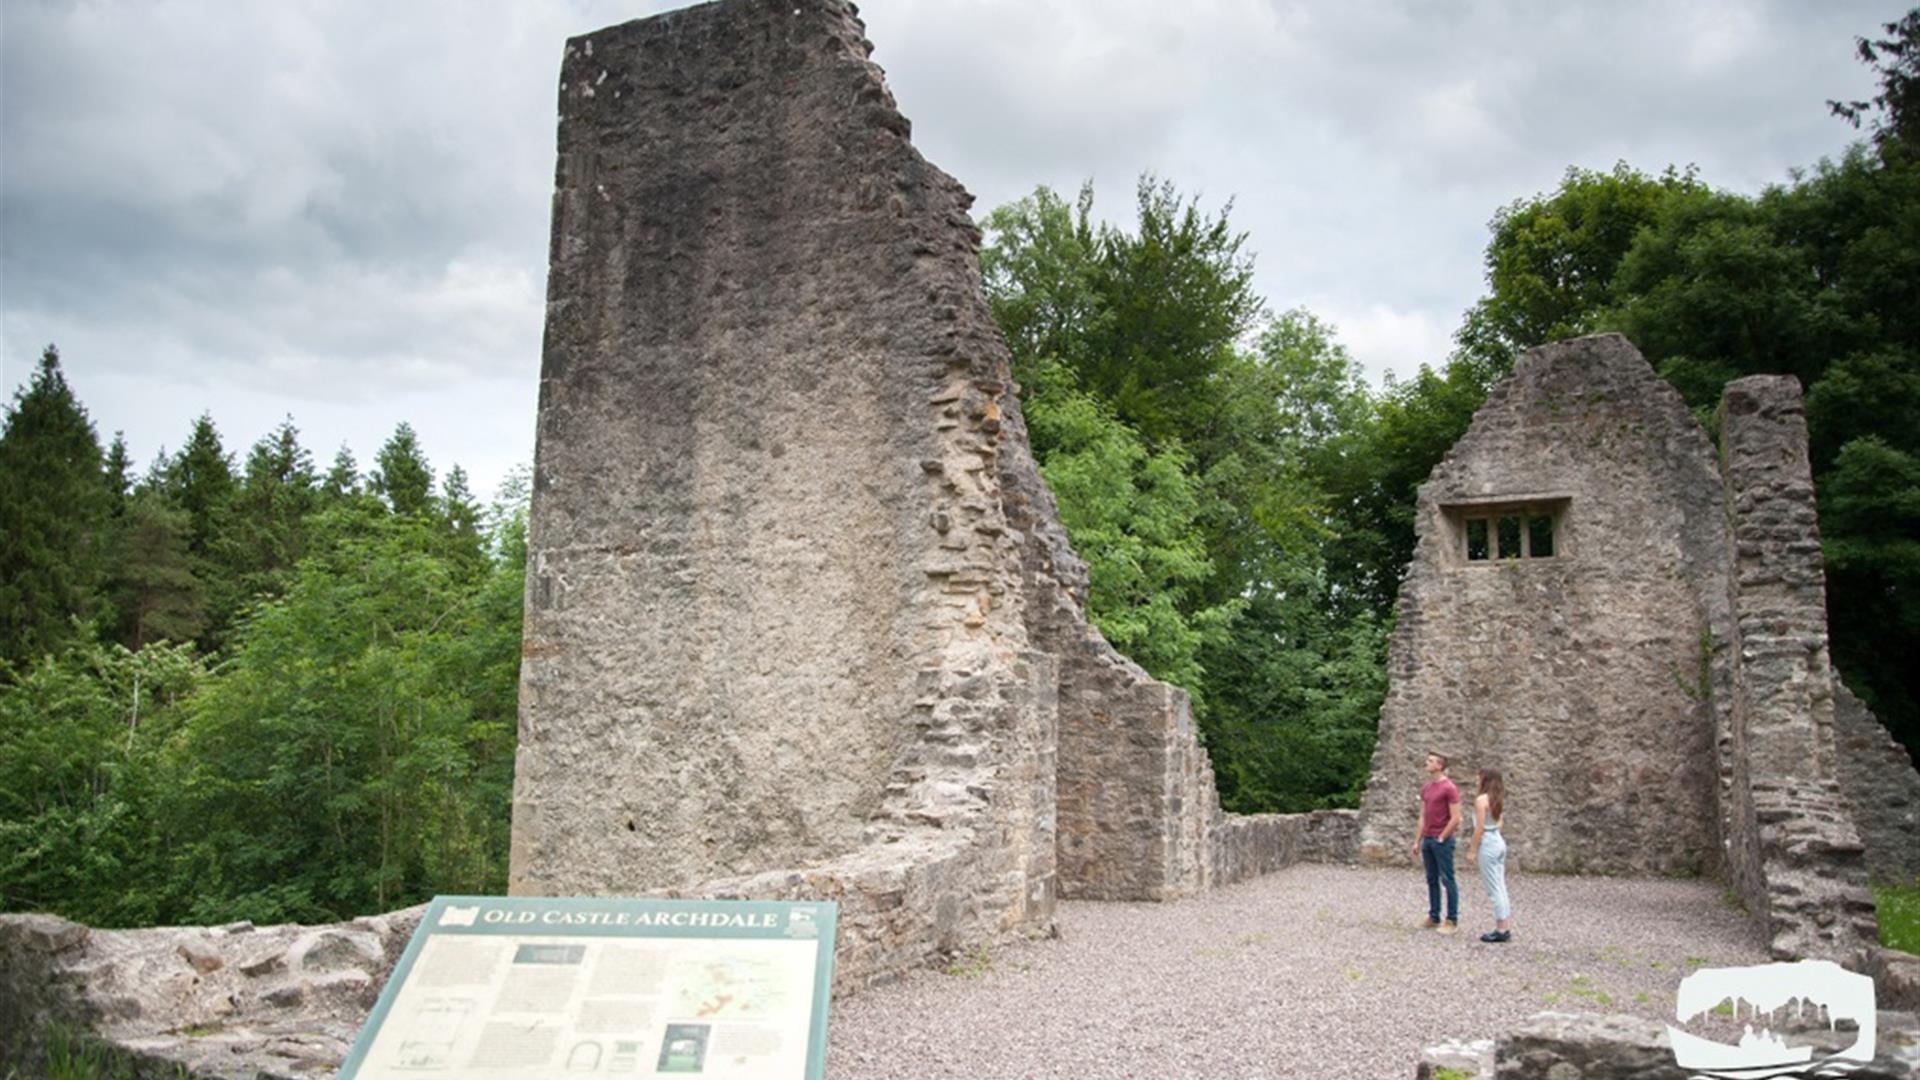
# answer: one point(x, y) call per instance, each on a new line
point(1899, 914)
point(973, 963)
point(1444, 1073)
point(70, 1056)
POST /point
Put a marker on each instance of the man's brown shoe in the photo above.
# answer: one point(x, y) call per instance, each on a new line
point(1449, 927)
point(1430, 924)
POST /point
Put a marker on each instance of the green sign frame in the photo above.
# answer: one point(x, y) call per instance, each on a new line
point(683, 939)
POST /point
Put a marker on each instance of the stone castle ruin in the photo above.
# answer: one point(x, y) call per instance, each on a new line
point(802, 621)
point(801, 616)
point(1631, 625)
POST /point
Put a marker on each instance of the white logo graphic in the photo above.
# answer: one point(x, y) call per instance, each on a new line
point(1757, 992)
point(459, 916)
point(800, 923)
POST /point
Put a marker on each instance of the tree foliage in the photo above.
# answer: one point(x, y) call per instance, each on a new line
point(349, 746)
point(1188, 437)
point(55, 505)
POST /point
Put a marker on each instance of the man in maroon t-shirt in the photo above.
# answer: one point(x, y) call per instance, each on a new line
point(1439, 821)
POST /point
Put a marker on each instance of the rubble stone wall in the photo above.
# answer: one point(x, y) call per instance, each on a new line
point(1882, 787)
point(801, 617)
point(1585, 677)
point(1801, 864)
point(774, 635)
point(221, 1001)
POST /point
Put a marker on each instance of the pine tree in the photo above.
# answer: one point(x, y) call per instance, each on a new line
point(402, 475)
point(343, 477)
point(461, 516)
point(198, 481)
point(276, 493)
point(153, 584)
point(54, 507)
point(119, 473)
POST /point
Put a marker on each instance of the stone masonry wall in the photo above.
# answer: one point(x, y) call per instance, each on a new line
point(1882, 787)
point(221, 1001)
point(1586, 677)
point(1811, 873)
point(774, 635)
point(801, 617)
point(1136, 798)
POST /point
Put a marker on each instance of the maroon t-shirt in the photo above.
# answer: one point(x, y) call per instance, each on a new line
point(1437, 798)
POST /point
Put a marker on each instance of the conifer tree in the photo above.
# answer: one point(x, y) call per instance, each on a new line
point(462, 514)
point(401, 475)
point(199, 482)
point(54, 506)
point(276, 493)
point(153, 583)
point(343, 477)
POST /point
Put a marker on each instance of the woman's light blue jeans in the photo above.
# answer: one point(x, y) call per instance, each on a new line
point(1493, 873)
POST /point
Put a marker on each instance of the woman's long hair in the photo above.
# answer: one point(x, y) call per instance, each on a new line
point(1496, 792)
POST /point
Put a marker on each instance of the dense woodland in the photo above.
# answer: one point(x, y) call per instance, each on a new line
point(254, 688)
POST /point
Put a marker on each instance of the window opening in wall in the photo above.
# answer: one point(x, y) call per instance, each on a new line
point(1477, 539)
point(1509, 531)
point(1540, 537)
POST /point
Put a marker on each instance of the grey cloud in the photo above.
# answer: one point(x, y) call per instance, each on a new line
point(346, 204)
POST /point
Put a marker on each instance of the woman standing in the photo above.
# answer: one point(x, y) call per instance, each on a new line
point(1489, 807)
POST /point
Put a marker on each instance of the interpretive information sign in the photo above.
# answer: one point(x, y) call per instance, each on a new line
point(514, 987)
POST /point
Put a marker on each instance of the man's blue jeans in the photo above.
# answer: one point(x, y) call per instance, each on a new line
point(1437, 856)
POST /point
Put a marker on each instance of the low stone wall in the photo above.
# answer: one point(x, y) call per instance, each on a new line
point(1248, 845)
point(1572, 1046)
point(227, 1001)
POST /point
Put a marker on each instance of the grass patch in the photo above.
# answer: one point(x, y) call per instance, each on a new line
point(971, 964)
point(1444, 1073)
point(1725, 1008)
point(1899, 914)
point(1582, 986)
point(75, 1056)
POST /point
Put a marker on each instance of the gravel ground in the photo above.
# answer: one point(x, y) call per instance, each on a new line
point(1316, 971)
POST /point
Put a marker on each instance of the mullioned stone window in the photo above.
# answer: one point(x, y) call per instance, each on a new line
point(1493, 532)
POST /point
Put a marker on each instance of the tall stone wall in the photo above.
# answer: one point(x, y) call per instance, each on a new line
point(1587, 676)
point(1797, 858)
point(801, 617)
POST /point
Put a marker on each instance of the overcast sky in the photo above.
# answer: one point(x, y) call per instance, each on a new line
point(339, 210)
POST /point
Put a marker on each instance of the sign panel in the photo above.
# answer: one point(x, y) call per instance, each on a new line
point(513, 987)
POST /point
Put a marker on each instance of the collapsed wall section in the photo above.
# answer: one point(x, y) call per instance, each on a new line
point(1560, 618)
point(1882, 787)
point(1793, 850)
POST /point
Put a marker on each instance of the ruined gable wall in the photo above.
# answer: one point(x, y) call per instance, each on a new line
point(1581, 676)
point(1797, 859)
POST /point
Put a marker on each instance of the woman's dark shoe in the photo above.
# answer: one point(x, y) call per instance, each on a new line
point(1497, 936)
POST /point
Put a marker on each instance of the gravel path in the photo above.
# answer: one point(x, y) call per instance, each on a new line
point(1317, 971)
